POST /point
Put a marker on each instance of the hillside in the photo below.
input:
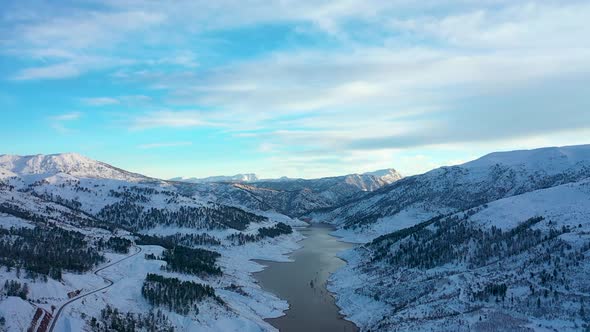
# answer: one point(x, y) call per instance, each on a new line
point(294, 197)
point(518, 263)
point(499, 243)
point(64, 216)
point(456, 188)
point(41, 166)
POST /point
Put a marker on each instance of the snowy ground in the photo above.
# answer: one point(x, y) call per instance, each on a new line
point(376, 298)
point(406, 218)
point(244, 311)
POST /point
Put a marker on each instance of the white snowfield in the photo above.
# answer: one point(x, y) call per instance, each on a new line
point(547, 284)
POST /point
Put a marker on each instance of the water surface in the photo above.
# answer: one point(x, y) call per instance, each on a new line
point(303, 283)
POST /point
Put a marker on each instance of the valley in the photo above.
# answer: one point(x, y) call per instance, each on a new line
point(294, 165)
point(499, 242)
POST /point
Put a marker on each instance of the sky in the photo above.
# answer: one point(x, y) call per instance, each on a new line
point(292, 88)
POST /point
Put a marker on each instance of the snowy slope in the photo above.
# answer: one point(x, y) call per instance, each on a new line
point(565, 205)
point(388, 175)
point(457, 188)
point(295, 197)
point(551, 160)
point(546, 280)
point(95, 199)
point(40, 166)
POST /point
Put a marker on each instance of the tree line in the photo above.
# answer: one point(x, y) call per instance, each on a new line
point(137, 217)
point(263, 232)
point(111, 319)
point(47, 250)
point(174, 294)
point(190, 260)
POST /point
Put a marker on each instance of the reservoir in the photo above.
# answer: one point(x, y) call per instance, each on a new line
point(303, 283)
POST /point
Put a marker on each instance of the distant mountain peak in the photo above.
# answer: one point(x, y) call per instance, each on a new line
point(246, 177)
point(388, 175)
point(40, 166)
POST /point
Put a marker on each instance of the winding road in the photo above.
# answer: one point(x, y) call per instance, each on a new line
point(109, 281)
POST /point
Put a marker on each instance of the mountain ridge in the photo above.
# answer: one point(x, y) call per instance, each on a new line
point(45, 165)
point(451, 188)
point(387, 174)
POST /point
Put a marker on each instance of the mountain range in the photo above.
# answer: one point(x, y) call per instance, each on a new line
point(249, 177)
point(387, 176)
point(499, 242)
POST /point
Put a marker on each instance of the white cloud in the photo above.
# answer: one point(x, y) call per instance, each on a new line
point(106, 101)
point(403, 76)
point(68, 68)
point(67, 116)
point(164, 145)
point(517, 26)
point(100, 101)
point(83, 30)
point(506, 71)
point(56, 71)
point(169, 119)
point(59, 122)
point(74, 42)
point(185, 59)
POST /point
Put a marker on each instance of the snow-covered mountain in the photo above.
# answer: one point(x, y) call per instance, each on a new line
point(366, 181)
point(518, 263)
point(456, 188)
point(238, 178)
point(87, 208)
point(388, 175)
point(42, 166)
point(499, 243)
point(295, 197)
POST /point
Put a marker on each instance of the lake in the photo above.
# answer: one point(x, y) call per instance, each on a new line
point(303, 283)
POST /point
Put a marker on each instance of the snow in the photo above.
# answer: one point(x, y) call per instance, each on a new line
point(404, 219)
point(388, 175)
point(551, 159)
point(17, 312)
point(249, 177)
point(246, 314)
point(452, 189)
point(565, 205)
point(357, 308)
point(89, 182)
point(36, 167)
point(8, 221)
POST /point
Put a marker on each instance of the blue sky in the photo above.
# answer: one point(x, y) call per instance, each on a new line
point(296, 88)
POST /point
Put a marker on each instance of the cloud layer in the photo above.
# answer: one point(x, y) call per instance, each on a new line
point(361, 83)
